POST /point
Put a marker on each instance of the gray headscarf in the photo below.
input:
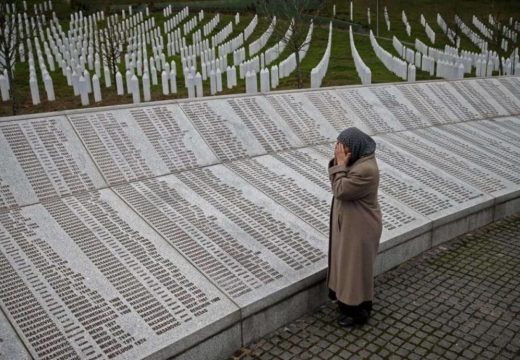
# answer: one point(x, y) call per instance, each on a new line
point(359, 143)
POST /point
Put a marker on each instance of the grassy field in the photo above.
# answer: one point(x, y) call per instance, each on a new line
point(341, 70)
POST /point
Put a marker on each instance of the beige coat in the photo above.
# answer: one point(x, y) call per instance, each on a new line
point(355, 230)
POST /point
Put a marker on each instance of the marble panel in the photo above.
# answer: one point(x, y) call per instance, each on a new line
point(139, 143)
point(43, 159)
point(84, 276)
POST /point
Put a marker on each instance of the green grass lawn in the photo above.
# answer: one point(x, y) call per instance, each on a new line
point(341, 70)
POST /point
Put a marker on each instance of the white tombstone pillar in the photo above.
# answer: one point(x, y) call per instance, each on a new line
point(68, 74)
point(264, 80)
point(173, 81)
point(119, 84)
point(96, 88)
point(411, 73)
point(35, 92)
point(86, 75)
point(165, 83)
point(134, 90)
point(274, 76)
point(251, 83)
point(83, 91)
point(229, 78)
point(4, 88)
point(218, 76)
point(75, 82)
point(146, 87)
point(49, 87)
point(153, 72)
point(108, 79)
point(213, 82)
point(191, 86)
point(198, 85)
point(128, 81)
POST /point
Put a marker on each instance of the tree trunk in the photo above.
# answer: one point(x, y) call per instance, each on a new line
point(298, 69)
point(12, 93)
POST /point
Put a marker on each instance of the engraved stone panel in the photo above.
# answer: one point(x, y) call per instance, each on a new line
point(512, 84)
point(229, 230)
point(85, 277)
point(420, 186)
point(304, 118)
point(481, 101)
point(453, 101)
point(501, 94)
point(400, 107)
point(140, 143)
point(333, 109)
point(429, 106)
point(42, 159)
point(11, 346)
point(240, 127)
point(499, 129)
point(440, 154)
point(369, 110)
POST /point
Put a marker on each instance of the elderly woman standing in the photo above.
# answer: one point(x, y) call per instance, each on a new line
point(355, 226)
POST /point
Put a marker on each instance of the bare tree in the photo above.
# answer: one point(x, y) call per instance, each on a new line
point(299, 14)
point(13, 34)
point(498, 20)
point(109, 47)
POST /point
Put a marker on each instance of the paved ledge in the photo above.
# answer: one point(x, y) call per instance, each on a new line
point(458, 300)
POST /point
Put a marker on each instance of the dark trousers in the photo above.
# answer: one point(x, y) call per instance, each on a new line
point(354, 311)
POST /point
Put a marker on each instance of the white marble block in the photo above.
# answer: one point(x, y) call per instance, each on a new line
point(83, 91)
point(35, 92)
point(119, 84)
point(134, 86)
point(146, 87)
point(96, 88)
point(165, 83)
point(49, 87)
point(198, 85)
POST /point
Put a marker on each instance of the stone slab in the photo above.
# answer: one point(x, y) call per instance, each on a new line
point(448, 231)
point(304, 117)
point(283, 312)
point(498, 129)
point(240, 127)
point(434, 110)
point(402, 109)
point(431, 192)
point(139, 143)
point(450, 99)
point(11, 347)
point(232, 233)
point(480, 99)
point(366, 106)
point(42, 159)
point(437, 151)
point(84, 266)
point(501, 94)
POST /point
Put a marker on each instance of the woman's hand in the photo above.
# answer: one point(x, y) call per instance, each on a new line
point(341, 155)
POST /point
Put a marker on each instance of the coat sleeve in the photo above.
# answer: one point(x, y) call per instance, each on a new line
point(348, 183)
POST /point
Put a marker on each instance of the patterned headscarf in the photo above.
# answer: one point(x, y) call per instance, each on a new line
point(359, 143)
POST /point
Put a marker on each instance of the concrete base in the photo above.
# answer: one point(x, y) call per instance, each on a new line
point(220, 346)
point(291, 308)
point(398, 254)
point(507, 208)
point(463, 225)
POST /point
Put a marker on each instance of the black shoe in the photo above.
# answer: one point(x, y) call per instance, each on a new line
point(346, 321)
point(362, 318)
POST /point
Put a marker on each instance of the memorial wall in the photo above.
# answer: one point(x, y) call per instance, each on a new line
point(182, 228)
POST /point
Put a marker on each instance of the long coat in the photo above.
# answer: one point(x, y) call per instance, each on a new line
point(355, 230)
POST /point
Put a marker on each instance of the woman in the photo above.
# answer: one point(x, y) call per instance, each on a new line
point(355, 225)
